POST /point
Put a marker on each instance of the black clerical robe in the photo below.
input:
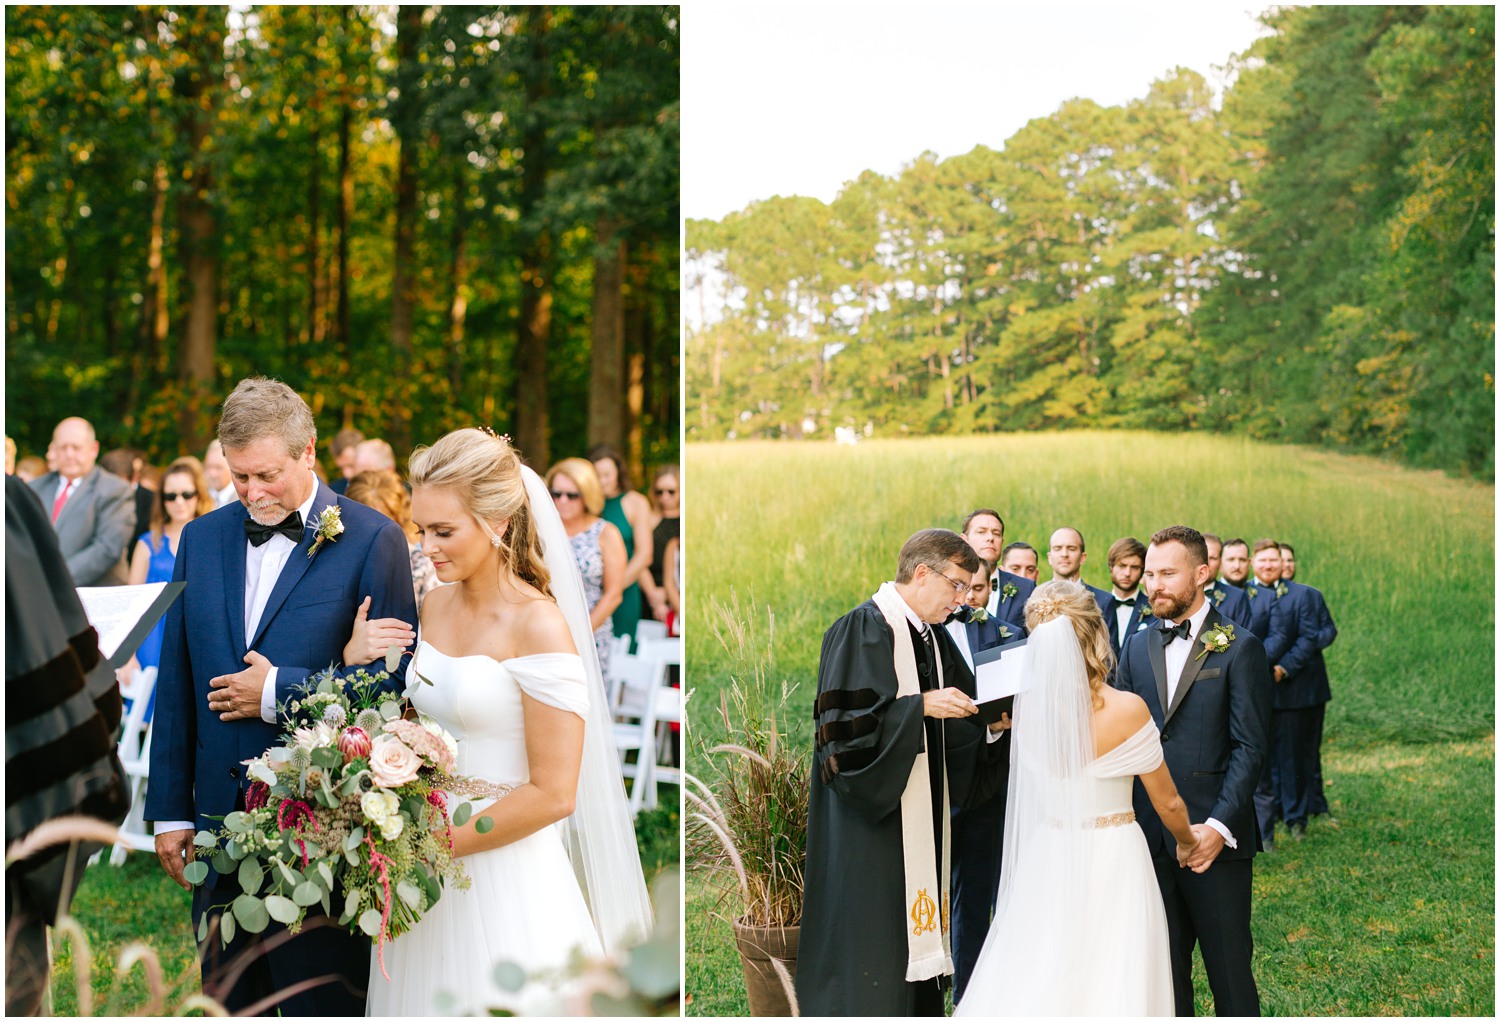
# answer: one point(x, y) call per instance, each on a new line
point(853, 945)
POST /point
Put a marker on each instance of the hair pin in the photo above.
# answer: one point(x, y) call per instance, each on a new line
point(490, 432)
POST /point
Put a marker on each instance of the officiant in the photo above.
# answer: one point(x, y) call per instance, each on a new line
point(898, 744)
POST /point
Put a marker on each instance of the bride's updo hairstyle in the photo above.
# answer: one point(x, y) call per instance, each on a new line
point(1060, 598)
point(485, 471)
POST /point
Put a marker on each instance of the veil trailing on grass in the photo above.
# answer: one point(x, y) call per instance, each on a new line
point(600, 835)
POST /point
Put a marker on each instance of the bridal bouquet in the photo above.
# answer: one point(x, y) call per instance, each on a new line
point(350, 805)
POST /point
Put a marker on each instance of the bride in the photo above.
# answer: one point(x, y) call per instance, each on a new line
point(1079, 927)
point(499, 666)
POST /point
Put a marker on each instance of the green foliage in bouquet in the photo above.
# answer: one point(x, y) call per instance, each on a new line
point(747, 816)
point(347, 813)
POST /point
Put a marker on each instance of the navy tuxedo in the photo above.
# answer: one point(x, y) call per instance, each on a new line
point(1011, 609)
point(196, 758)
point(1327, 632)
point(1298, 701)
point(1266, 619)
point(1140, 617)
point(1213, 737)
point(1230, 601)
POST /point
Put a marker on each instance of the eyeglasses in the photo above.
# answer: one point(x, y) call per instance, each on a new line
point(168, 496)
point(566, 495)
point(665, 493)
point(959, 588)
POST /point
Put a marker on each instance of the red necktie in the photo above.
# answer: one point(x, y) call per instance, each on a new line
point(62, 498)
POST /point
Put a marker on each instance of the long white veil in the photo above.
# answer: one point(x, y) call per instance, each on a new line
point(600, 835)
point(1049, 821)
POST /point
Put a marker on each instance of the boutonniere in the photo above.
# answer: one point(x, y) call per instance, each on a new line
point(1216, 640)
point(1007, 591)
point(978, 615)
point(1280, 589)
point(1216, 594)
point(330, 527)
point(1004, 632)
point(1251, 592)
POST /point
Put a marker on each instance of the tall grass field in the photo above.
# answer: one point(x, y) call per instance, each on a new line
point(1393, 913)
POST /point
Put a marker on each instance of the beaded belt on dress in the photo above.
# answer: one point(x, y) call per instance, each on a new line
point(478, 787)
point(1115, 819)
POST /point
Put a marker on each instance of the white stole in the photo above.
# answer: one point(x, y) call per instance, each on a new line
point(928, 952)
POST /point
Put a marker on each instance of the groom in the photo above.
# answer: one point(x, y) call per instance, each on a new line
point(1210, 696)
point(261, 612)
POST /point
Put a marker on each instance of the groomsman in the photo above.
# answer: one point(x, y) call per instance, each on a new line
point(1230, 600)
point(1020, 559)
point(1234, 564)
point(1125, 608)
point(1066, 554)
point(1318, 803)
point(1211, 708)
point(984, 530)
point(978, 832)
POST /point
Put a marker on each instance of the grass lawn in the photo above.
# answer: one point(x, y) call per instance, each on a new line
point(1392, 914)
point(137, 903)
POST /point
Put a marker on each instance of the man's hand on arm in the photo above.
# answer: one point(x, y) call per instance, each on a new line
point(240, 696)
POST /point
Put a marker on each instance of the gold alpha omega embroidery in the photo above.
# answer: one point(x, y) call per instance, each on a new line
point(924, 914)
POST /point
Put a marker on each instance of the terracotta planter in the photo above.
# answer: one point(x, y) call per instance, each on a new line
point(758, 945)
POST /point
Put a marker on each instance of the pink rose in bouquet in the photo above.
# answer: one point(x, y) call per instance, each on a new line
point(392, 762)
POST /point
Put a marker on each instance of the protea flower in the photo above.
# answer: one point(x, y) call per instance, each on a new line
point(354, 742)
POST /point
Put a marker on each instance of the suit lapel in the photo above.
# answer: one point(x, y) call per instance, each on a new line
point(1158, 655)
point(1193, 666)
point(234, 577)
point(297, 562)
point(75, 499)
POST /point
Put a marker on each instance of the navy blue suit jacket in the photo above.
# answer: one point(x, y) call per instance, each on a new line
point(1012, 609)
point(1309, 631)
point(1140, 616)
point(1230, 601)
point(196, 758)
point(1213, 736)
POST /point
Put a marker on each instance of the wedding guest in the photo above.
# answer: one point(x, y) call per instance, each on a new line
point(1066, 553)
point(92, 510)
point(1230, 600)
point(30, 467)
point(666, 504)
point(216, 471)
point(128, 464)
point(184, 496)
point(342, 449)
point(890, 687)
point(630, 512)
point(1125, 607)
point(1020, 559)
point(10, 456)
point(984, 530)
point(977, 831)
point(1234, 562)
point(383, 490)
point(597, 545)
point(374, 455)
point(58, 686)
point(1213, 738)
point(1318, 799)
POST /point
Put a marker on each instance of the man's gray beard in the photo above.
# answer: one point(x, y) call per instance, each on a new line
point(274, 515)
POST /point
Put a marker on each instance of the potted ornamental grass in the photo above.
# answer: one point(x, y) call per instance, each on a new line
point(746, 813)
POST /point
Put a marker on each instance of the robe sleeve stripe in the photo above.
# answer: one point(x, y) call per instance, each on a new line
point(847, 730)
point(839, 762)
point(845, 699)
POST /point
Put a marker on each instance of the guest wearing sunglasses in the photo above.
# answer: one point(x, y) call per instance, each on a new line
point(630, 512)
point(184, 495)
point(597, 545)
point(666, 527)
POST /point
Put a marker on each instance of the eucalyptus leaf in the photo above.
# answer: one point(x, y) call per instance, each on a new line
point(369, 921)
point(484, 825)
point(327, 904)
point(392, 659)
point(510, 977)
point(390, 709)
point(327, 874)
point(283, 910)
point(462, 813)
point(203, 927)
point(204, 839)
point(239, 823)
point(307, 893)
point(235, 849)
point(222, 862)
point(352, 900)
point(351, 858)
point(287, 874)
point(408, 892)
point(250, 877)
point(251, 913)
point(355, 837)
point(654, 968)
point(327, 757)
point(195, 872)
point(226, 927)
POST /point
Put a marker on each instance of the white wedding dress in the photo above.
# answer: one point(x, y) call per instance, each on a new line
point(1115, 961)
point(525, 905)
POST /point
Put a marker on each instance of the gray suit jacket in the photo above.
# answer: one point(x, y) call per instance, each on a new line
point(94, 529)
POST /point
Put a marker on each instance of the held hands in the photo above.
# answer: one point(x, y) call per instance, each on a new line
point(237, 696)
point(1002, 724)
point(1202, 855)
point(175, 850)
point(1279, 673)
point(370, 639)
point(947, 702)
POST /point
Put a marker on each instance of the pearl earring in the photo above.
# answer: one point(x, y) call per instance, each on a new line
point(495, 541)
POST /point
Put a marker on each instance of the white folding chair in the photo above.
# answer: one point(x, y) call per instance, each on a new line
point(638, 680)
point(135, 757)
point(668, 651)
point(649, 630)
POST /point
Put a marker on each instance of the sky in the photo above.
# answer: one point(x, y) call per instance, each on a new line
point(797, 100)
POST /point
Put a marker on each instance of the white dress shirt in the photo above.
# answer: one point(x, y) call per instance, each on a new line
point(1177, 653)
point(1122, 614)
point(225, 496)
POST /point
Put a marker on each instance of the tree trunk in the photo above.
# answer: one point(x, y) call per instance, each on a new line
point(607, 360)
point(346, 200)
point(458, 275)
point(405, 120)
point(532, 426)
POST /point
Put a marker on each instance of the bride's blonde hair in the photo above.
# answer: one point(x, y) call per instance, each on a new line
point(485, 471)
point(1060, 598)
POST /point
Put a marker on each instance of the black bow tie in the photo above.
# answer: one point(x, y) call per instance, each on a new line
point(1124, 601)
point(1182, 631)
point(290, 527)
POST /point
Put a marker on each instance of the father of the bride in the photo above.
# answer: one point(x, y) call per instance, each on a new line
point(1208, 687)
point(897, 744)
point(263, 609)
